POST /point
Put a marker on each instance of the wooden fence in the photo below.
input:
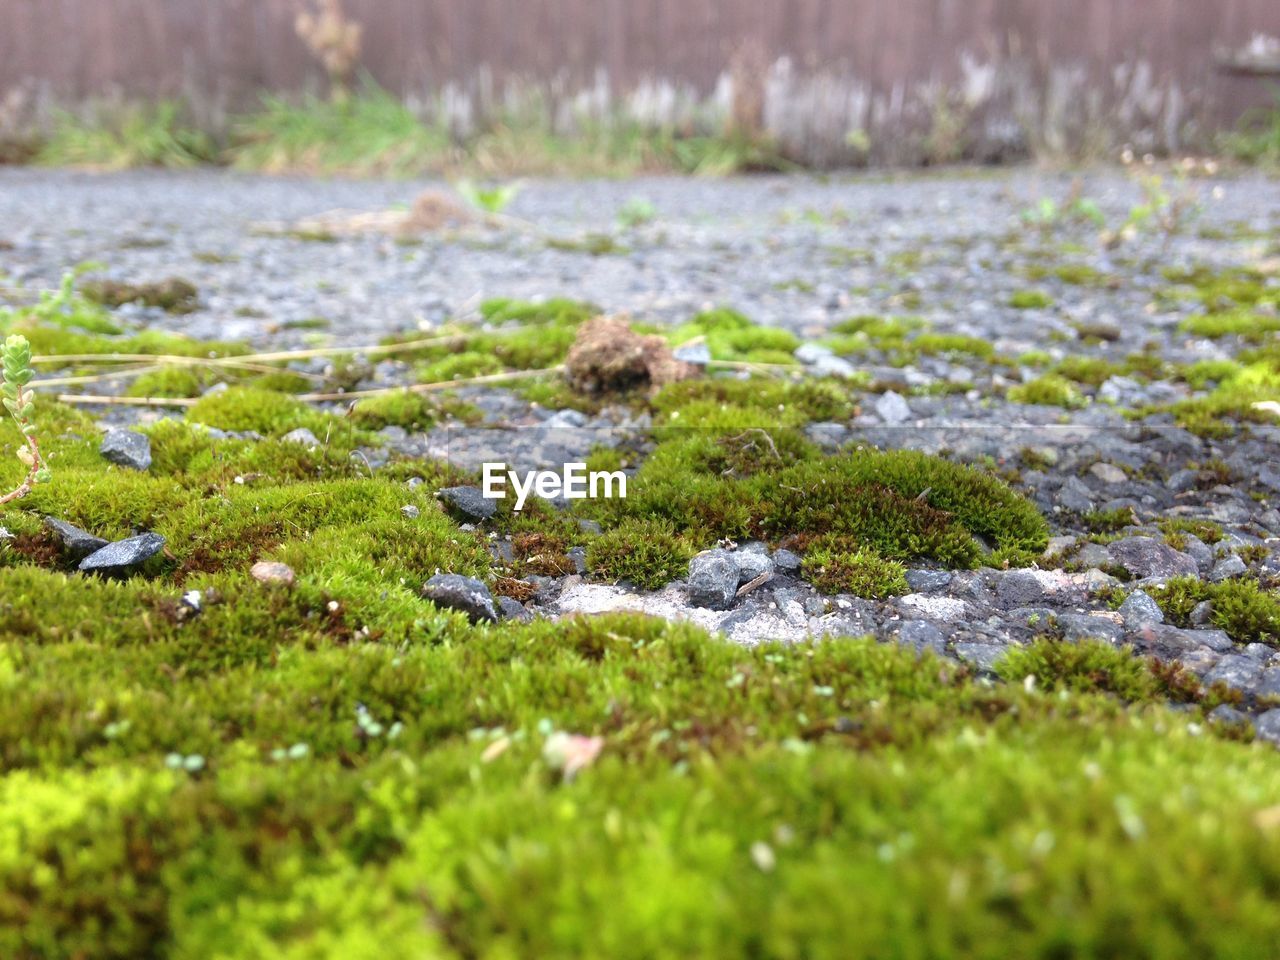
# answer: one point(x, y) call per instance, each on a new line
point(898, 79)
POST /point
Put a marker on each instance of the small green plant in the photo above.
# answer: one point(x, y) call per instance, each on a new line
point(862, 572)
point(1030, 300)
point(491, 199)
point(636, 212)
point(20, 403)
point(1050, 390)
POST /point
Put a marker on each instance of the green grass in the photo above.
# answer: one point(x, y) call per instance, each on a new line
point(373, 133)
point(1051, 390)
point(136, 136)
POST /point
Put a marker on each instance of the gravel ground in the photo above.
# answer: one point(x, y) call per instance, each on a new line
point(802, 254)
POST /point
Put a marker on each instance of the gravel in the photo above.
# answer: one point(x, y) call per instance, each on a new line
point(951, 250)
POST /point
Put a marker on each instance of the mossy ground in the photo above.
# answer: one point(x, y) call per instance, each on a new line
point(339, 768)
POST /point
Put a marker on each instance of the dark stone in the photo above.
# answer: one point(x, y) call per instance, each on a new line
point(127, 449)
point(1268, 726)
point(984, 656)
point(927, 581)
point(1228, 716)
point(469, 502)
point(123, 555)
point(456, 592)
point(509, 609)
point(1139, 610)
point(1019, 588)
point(1235, 671)
point(713, 579)
point(76, 543)
point(752, 563)
point(784, 561)
point(1147, 557)
point(1077, 627)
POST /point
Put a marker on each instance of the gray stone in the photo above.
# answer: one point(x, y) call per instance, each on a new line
point(1093, 556)
point(456, 592)
point(1019, 588)
point(1268, 683)
point(267, 571)
point(1235, 671)
point(126, 448)
point(1228, 716)
point(301, 435)
point(579, 557)
point(713, 579)
point(696, 352)
point(810, 353)
point(1229, 566)
point(1200, 552)
point(1076, 627)
point(76, 543)
point(1108, 473)
point(1147, 557)
point(123, 555)
point(411, 511)
point(1268, 726)
point(984, 656)
point(470, 502)
point(509, 609)
point(1201, 613)
point(785, 561)
point(1139, 609)
point(892, 408)
point(1075, 495)
point(921, 635)
point(928, 581)
point(834, 367)
point(752, 564)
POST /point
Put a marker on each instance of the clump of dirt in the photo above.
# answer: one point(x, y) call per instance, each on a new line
point(609, 357)
point(173, 294)
point(430, 211)
point(434, 210)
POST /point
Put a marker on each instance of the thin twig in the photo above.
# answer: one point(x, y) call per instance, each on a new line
point(101, 399)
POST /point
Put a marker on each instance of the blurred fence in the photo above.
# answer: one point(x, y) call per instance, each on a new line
point(901, 80)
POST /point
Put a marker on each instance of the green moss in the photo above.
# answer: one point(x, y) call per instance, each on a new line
point(833, 567)
point(1093, 371)
point(173, 295)
point(172, 382)
point(732, 336)
point(952, 344)
point(458, 366)
point(1078, 274)
point(1050, 390)
point(264, 411)
point(1246, 324)
point(726, 475)
point(301, 830)
point(1096, 667)
point(648, 553)
point(413, 411)
point(1246, 611)
point(557, 311)
point(1232, 399)
point(1206, 373)
point(1030, 300)
point(1206, 530)
point(1108, 521)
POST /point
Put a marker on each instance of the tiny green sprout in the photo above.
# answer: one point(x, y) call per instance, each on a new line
point(20, 402)
point(491, 199)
